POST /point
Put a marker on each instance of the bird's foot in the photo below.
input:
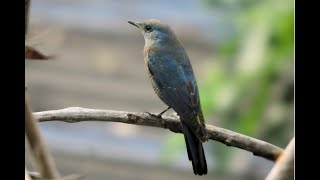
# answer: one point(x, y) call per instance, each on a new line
point(154, 115)
point(160, 114)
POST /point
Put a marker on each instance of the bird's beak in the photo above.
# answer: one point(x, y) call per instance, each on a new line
point(135, 24)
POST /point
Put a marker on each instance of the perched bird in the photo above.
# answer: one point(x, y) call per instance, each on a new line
point(173, 80)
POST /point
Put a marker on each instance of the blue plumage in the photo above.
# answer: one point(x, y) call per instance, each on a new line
point(173, 80)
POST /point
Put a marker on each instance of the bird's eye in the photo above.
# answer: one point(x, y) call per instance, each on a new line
point(148, 28)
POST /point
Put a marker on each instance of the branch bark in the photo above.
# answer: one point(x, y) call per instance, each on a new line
point(44, 162)
point(227, 137)
point(26, 175)
point(284, 167)
point(37, 176)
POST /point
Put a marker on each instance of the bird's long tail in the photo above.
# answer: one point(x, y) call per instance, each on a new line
point(195, 151)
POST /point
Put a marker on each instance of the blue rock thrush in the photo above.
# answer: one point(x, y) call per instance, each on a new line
point(173, 80)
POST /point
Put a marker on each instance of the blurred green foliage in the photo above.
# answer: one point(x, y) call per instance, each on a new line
point(248, 86)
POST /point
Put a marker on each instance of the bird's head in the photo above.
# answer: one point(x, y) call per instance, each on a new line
point(155, 32)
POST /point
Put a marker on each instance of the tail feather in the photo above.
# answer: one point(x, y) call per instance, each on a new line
point(195, 152)
point(190, 155)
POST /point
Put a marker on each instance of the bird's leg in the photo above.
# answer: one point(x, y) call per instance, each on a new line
point(160, 114)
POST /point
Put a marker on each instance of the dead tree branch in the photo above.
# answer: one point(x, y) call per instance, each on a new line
point(26, 175)
point(43, 160)
point(227, 137)
point(284, 167)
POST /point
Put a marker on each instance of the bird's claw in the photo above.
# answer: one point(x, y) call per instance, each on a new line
point(158, 116)
point(154, 115)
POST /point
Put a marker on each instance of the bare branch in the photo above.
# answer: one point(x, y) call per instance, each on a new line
point(227, 137)
point(284, 167)
point(26, 175)
point(34, 175)
point(44, 162)
point(37, 176)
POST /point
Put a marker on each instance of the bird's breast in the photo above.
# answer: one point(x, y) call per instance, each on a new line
point(149, 49)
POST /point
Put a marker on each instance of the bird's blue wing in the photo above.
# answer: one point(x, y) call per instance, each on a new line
point(178, 89)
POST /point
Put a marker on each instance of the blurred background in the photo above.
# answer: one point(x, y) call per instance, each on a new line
point(242, 52)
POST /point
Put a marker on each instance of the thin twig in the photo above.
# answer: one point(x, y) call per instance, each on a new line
point(227, 137)
point(37, 176)
point(26, 175)
point(284, 167)
point(44, 162)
